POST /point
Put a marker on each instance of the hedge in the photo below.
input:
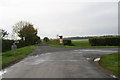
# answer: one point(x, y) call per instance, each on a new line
point(57, 41)
point(105, 41)
point(67, 42)
point(6, 44)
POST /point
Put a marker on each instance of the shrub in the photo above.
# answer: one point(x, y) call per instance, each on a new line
point(21, 44)
point(67, 42)
point(56, 41)
point(6, 45)
point(46, 39)
point(105, 41)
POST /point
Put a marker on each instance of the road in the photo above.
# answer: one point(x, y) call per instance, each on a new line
point(50, 62)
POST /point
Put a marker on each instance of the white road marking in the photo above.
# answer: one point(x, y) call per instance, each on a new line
point(2, 72)
point(97, 59)
point(113, 76)
point(88, 58)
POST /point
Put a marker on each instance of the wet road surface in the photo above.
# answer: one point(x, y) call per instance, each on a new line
point(49, 62)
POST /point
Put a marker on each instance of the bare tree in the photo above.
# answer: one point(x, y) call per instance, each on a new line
point(3, 33)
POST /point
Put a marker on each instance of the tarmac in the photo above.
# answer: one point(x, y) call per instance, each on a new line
point(51, 62)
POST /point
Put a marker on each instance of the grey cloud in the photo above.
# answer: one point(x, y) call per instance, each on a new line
point(68, 18)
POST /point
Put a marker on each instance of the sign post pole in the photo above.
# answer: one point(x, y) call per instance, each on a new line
point(61, 39)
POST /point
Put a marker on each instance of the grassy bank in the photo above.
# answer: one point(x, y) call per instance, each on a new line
point(78, 43)
point(10, 57)
point(111, 62)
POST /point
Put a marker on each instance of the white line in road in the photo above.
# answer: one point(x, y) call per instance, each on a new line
point(1, 73)
point(113, 76)
point(88, 58)
point(97, 59)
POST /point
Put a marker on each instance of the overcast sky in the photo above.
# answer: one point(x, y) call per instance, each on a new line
point(63, 17)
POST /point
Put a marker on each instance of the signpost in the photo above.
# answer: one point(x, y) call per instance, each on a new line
point(61, 39)
point(14, 46)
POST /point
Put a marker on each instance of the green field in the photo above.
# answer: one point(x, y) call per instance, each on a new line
point(78, 43)
point(10, 57)
point(110, 62)
point(81, 43)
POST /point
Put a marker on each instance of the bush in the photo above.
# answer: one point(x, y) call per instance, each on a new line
point(46, 39)
point(55, 41)
point(105, 41)
point(31, 41)
point(21, 44)
point(6, 45)
point(67, 42)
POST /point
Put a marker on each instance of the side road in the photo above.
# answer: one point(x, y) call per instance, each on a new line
point(45, 49)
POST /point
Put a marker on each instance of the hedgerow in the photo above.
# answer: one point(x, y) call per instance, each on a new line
point(105, 41)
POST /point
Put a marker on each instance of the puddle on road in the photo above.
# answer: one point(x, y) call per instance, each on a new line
point(37, 62)
point(41, 61)
point(38, 59)
point(34, 60)
point(107, 51)
point(76, 50)
point(69, 60)
point(98, 50)
point(76, 53)
point(90, 50)
point(36, 56)
point(46, 53)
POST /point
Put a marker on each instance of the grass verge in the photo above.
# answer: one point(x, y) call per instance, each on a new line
point(111, 62)
point(11, 57)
